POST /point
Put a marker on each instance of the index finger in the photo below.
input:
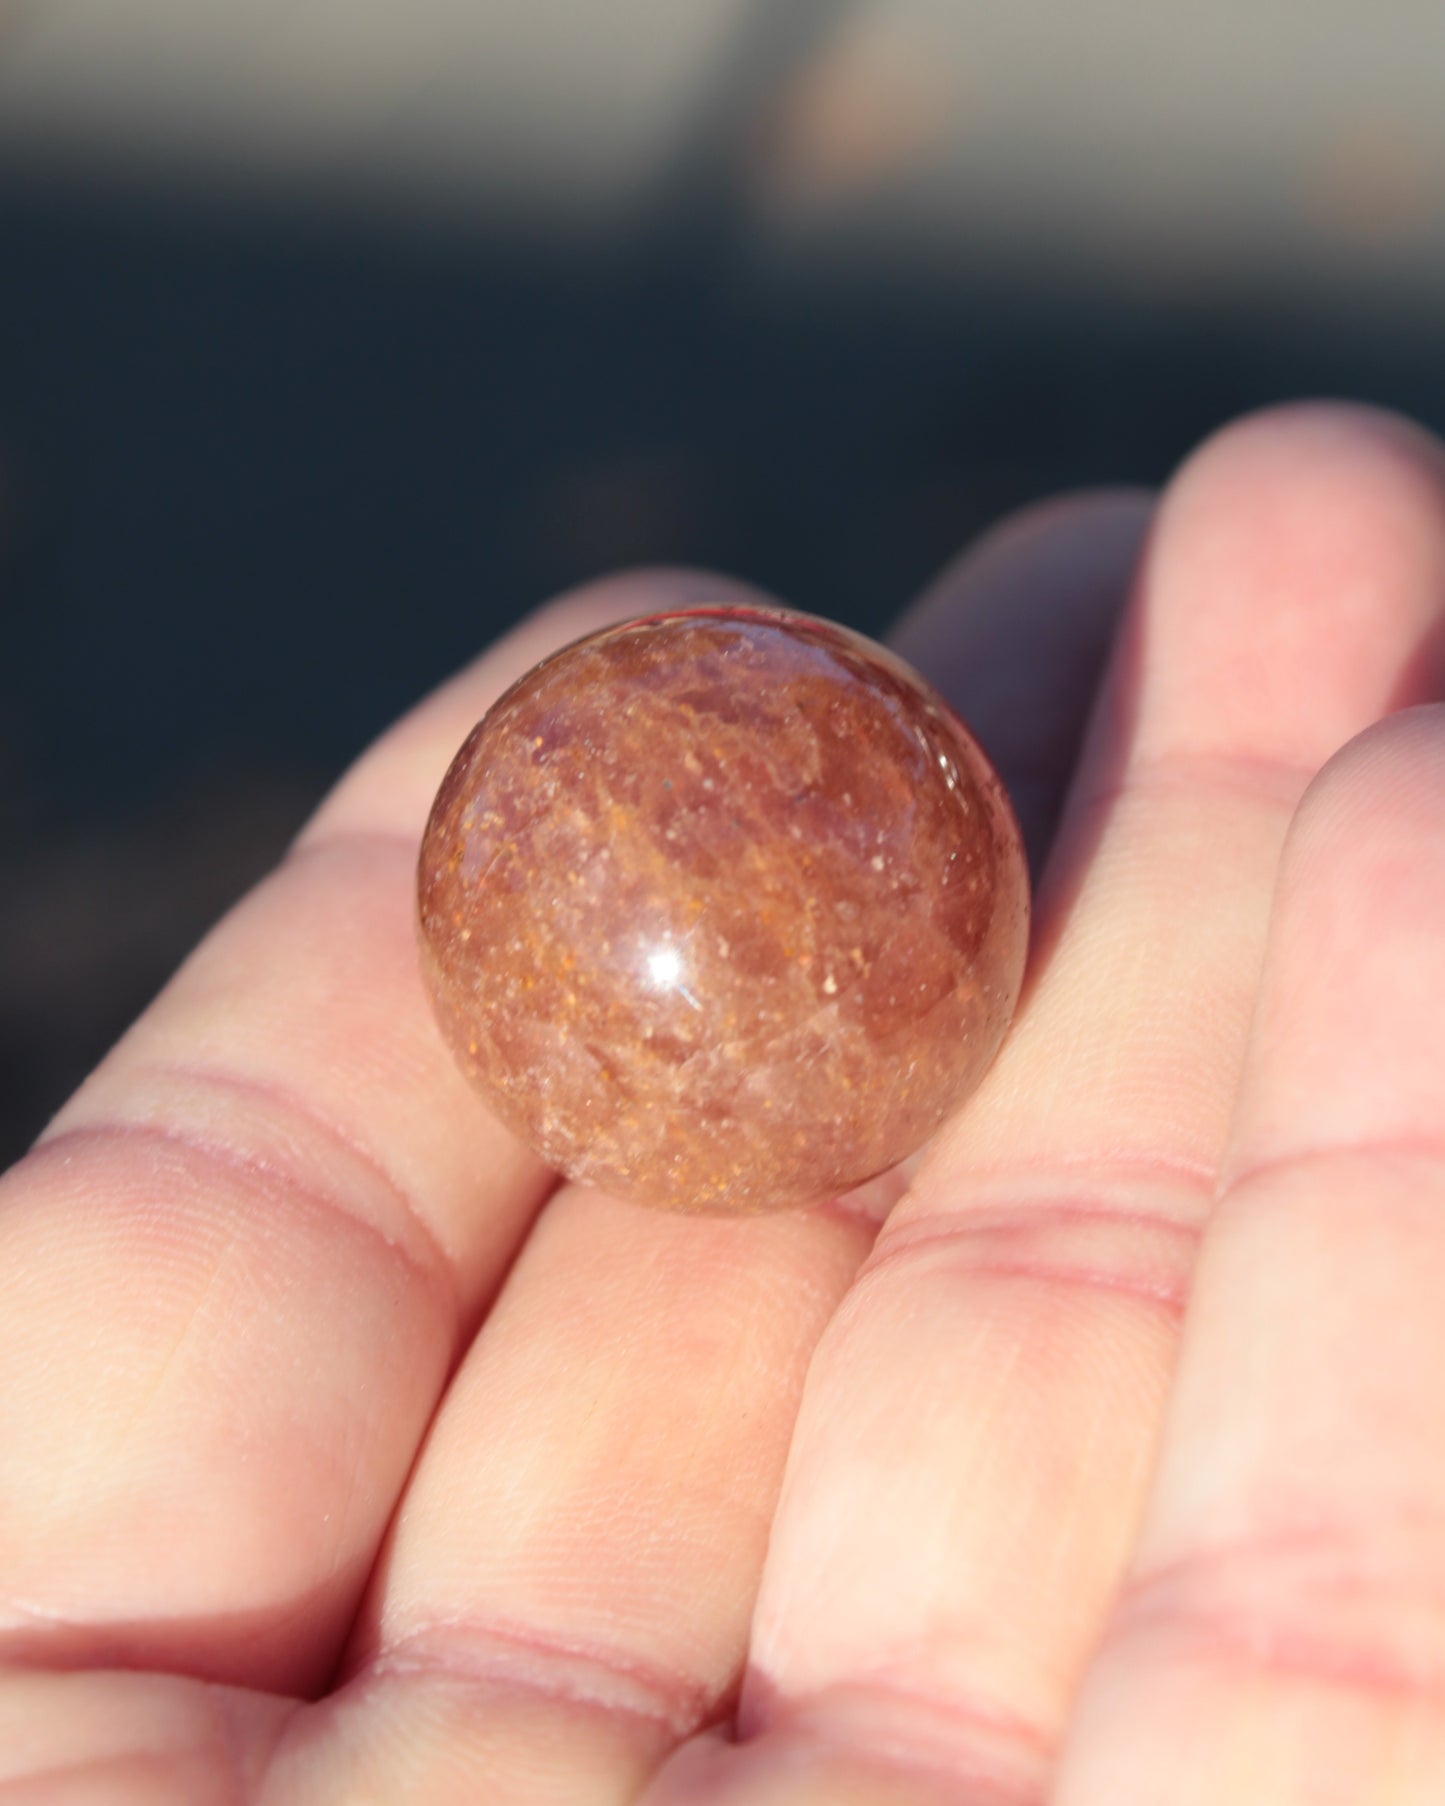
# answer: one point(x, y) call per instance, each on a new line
point(236, 1270)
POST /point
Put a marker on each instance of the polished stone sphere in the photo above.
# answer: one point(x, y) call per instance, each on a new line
point(722, 909)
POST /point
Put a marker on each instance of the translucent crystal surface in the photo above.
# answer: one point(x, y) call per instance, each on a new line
point(722, 910)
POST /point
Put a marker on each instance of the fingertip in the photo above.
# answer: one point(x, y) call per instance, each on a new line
point(1312, 435)
point(1290, 593)
point(1015, 634)
point(1051, 558)
point(1344, 1050)
point(1385, 786)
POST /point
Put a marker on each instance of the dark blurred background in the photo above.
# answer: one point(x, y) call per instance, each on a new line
point(335, 335)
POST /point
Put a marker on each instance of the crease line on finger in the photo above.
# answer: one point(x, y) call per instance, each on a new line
point(1425, 1150)
point(1146, 1256)
point(1001, 1756)
point(1257, 776)
point(417, 1247)
point(510, 1656)
point(1268, 1599)
point(1073, 1243)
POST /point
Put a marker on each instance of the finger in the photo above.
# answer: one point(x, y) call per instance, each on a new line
point(235, 1272)
point(1281, 1636)
point(122, 1739)
point(568, 1587)
point(1021, 670)
point(980, 1415)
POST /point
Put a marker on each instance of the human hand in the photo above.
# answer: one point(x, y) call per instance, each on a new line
point(344, 1458)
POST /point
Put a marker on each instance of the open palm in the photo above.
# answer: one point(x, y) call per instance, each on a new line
point(344, 1456)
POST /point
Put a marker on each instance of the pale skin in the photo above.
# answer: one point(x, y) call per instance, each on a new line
point(345, 1456)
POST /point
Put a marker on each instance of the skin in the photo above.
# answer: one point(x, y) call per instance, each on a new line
point(344, 1456)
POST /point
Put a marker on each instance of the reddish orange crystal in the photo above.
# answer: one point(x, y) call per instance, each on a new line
point(723, 909)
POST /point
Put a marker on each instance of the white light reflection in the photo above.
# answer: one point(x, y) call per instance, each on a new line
point(664, 969)
point(665, 965)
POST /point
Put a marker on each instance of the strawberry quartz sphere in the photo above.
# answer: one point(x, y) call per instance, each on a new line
point(722, 909)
